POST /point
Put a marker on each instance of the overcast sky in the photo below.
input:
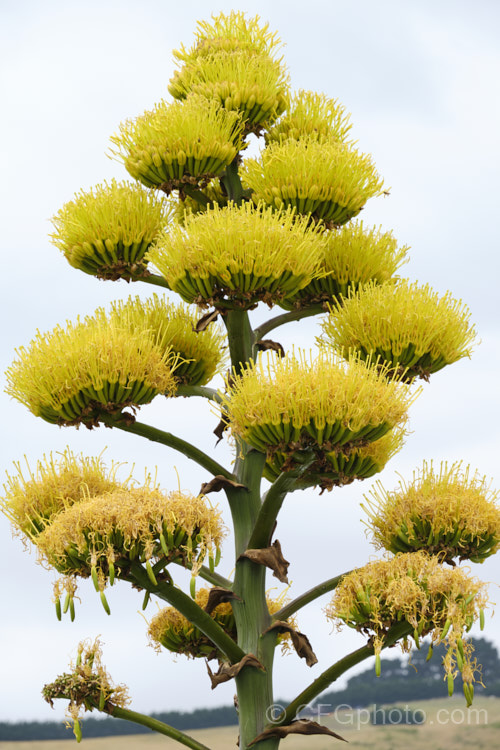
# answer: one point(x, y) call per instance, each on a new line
point(421, 80)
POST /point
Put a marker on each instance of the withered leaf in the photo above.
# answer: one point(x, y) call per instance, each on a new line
point(219, 430)
point(226, 672)
point(205, 321)
point(219, 483)
point(274, 346)
point(300, 641)
point(272, 558)
point(216, 595)
point(301, 726)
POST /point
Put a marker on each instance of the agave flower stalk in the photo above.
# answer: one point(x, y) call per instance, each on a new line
point(236, 234)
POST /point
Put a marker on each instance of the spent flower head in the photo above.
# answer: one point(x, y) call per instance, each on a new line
point(449, 511)
point(32, 497)
point(107, 230)
point(87, 686)
point(414, 588)
point(102, 536)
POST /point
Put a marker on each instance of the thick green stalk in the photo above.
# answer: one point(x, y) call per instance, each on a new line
point(157, 726)
point(309, 596)
point(273, 500)
point(172, 441)
point(240, 338)
point(232, 183)
point(254, 686)
point(331, 674)
point(197, 195)
point(191, 610)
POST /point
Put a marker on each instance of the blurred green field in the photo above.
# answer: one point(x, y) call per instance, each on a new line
point(449, 725)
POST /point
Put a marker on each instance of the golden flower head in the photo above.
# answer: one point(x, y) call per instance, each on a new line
point(91, 368)
point(234, 63)
point(179, 143)
point(171, 327)
point(293, 404)
point(102, 535)
point(174, 632)
point(237, 255)
point(451, 512)
point(416, 588)
point(352, 256)
point(327, 180)
point(107, 230)
point(408, 326)
point(87, 687)
point(30, 501)
point(342, 466)
point(311, 115)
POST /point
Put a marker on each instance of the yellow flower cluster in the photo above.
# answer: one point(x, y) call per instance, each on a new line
point(201, 354)
point(408, 326)
point(55, 484)
point(174, 632)
point(94, 367)
point(237, 255)
point(234, 63)
point(292, 404)
point(328, 180)
point(416, 588)
point(87, 687)
point(337, 468)
point(311, 115)
point(352, 257)
point(450, 512)
point(107, 230)
point(101, 536)
point(179, 142)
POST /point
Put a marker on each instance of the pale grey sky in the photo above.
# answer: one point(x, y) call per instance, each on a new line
point(421, 81)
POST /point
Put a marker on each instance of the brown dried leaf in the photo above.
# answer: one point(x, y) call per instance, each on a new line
point(219, 430)
point(301, 726)
point(300, 641)
point(275, 346)
point(205, 321)
point(219, 483)
point(272, 558)
point(216, 596)
point(226, 672)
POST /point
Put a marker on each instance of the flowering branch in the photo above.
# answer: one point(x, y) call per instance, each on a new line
point(192, 611)
point(288, 317)
point(172, 441)
point(157, 726)
point(309, 596)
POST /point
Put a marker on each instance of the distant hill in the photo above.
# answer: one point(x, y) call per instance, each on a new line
point(405, 679)
point(400, 681)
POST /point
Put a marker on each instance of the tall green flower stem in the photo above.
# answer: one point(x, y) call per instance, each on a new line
point(331, 674)
point(156, 726)
point(288, 317)
point(253, 685)
point(172, 441)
